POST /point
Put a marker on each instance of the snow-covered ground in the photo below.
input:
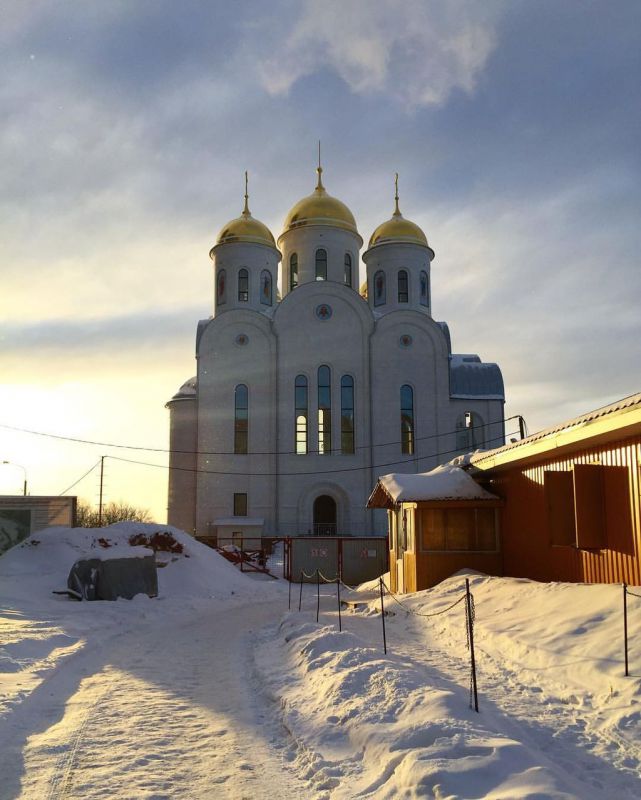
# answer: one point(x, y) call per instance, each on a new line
point(214, 690)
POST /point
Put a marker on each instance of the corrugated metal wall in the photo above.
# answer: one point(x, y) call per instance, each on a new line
point(527, 551)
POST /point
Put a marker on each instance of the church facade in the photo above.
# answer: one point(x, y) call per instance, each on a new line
point(303, 397)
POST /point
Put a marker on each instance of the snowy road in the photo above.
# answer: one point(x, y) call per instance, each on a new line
point(165, 711)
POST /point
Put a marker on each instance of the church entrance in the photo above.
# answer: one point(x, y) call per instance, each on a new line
point(324, 516)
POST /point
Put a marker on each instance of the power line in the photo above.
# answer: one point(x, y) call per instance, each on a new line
point(290, 474)
point(254, 453)
point(82, 477)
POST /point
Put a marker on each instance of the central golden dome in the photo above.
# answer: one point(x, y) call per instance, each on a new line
point(320, 208)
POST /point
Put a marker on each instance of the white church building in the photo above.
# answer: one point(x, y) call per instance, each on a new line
point(303, 397)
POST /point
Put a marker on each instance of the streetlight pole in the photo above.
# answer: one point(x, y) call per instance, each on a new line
point(24, 484)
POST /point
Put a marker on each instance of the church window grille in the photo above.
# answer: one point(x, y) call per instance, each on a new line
point(379, 288)
point(407, 420)
point(324, 410)
point(403, 288)
point(301, 402)
point(240, 504)
point(293, 271)
point(347, 276)
point(241, 419)
point(424, 288)
point(347, 414)
point(266, 287)
point(243, 286)
point(321, 265)
point(221, 289)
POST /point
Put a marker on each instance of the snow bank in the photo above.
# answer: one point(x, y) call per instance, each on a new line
point(558, 718)
point(41, 563)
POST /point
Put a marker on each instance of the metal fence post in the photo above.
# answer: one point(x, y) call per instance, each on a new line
point(317, 594)
point(625, 627)
point(289, 599)
point(470, 635)
point(338, 595)
point(380, 586)
point(300, 596)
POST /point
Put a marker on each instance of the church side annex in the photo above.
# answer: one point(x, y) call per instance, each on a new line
point(304, 397)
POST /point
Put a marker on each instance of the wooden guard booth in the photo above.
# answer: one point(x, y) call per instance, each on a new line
point(439, 522)
point(571, 498)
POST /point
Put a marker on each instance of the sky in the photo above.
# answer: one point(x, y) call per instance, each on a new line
point(126, 130)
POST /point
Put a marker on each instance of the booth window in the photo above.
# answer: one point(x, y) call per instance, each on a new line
point(459, 529)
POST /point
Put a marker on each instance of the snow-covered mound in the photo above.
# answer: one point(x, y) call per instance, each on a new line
point(558, 718)
point(41, 563)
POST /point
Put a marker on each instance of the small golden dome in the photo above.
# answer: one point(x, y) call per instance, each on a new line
point(363, 290)
point(398, 229)
point(320, 208)
point(246, 229)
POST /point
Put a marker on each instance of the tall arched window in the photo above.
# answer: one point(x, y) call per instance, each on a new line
point(324, 410)
point(379, 288)
point(407, 420)
point(221, 287)
point(243, 285)
point(347, 414)
point(347, 273)
point(424, 288)
point(241, 418)
point(266, 287)
point(301, 401)
point(403, 288)
point(321, 265)
point(293, 271)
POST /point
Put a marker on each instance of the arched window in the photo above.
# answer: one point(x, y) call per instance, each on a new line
point(321, 265)
point(221, 287)
point(403, 288)
point(301, 401)
point(347, 273)
point(243, 285)
point(293, 271)
point(407, 420)
point(470, 432)
point(266, 287)
point(424, 289)
point(241, 418)
point(379, 288)
point(347, 414)
point(324, 410)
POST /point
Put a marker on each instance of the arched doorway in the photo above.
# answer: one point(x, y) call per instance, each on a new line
point(324, 516)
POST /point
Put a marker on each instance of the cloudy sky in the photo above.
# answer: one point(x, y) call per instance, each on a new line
point(126, 128)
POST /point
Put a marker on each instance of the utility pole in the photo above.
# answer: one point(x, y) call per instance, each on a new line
point(102, 472)
point(522, 430)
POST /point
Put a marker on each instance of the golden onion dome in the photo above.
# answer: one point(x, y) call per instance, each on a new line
point(320, 208)
point(246, 229)
point(398, 229)
point(363, 290)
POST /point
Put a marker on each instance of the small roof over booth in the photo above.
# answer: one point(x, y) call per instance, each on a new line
point(446, 482)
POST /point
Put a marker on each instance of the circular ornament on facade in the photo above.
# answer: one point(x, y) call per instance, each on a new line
point(405, 340)
point(242, 339)
point(323, 312)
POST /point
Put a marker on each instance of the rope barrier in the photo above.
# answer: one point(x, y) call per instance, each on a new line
point(418, 613)
point(633, 593)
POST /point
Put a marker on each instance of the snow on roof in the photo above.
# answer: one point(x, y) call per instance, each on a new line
point(472, 378)
point(446, 482)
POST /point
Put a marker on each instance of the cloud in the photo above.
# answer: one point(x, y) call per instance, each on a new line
point(414, 51)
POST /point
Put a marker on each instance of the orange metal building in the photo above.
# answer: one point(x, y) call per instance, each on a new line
point(571, 498)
